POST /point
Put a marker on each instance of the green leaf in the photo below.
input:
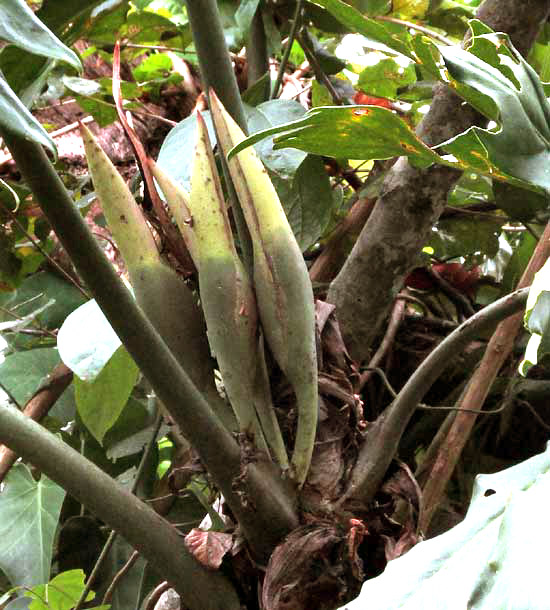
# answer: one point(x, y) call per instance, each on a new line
point(61, 16)
point(499, 72)
point(350, 132)
point(25, 73)
point(523, 249)
point(177, 151)
point(61, 593)
point(283, 163)
point(101, 401)
point(378, 7)
point(307, 201)
point(20, 26)
point(385, 78)
point(519, 203)
point(82, 86)
point(22, 373)
point(86, 341)
point(38, 290)
point(463, 236)
point(411, 9)
point(380, 36)
point(493, 559)
point(104, 113)
point(29, 512)
point(16, 119)
point(154, 66)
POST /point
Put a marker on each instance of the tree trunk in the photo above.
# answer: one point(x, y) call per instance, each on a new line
point(412, 200)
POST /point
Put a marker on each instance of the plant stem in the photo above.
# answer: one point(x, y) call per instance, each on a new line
point(158, 541)
point(273, 515)
point(380, 445)
point(284, 61)
point(256, 52)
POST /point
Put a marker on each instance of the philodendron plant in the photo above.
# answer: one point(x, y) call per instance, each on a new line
point(274, 301)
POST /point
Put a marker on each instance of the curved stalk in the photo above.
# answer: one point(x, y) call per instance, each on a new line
point(157, 540)
point(380, 445)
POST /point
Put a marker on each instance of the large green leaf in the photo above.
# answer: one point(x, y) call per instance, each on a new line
point(494, 559)
point(101, 401)
point(463, 236)
point(20, 26)
point(58, 15)
point(520, 146)
point(16, 119)
point(86, 341)
point(22, 373)
point(29, 512)
point(38, 290)
point(349, 132)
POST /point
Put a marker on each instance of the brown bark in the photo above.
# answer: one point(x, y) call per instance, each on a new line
point(412, 200)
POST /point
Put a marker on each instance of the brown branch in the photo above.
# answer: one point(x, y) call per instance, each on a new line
point(395, 321)
point(119, 576)
point(498, 350)
point(38, 407)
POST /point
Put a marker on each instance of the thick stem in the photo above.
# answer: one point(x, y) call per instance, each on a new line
point(158, 541)
point(380, 446)
point(412, 200)
point(273, 515)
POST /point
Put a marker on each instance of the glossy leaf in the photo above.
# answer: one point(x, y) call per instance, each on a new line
point(385, 78)
point(29, 512)
point(43, 287)
point(284, 163)
point(350, 132)
point(523, 109)
point(101, 401)
point(455, 237)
